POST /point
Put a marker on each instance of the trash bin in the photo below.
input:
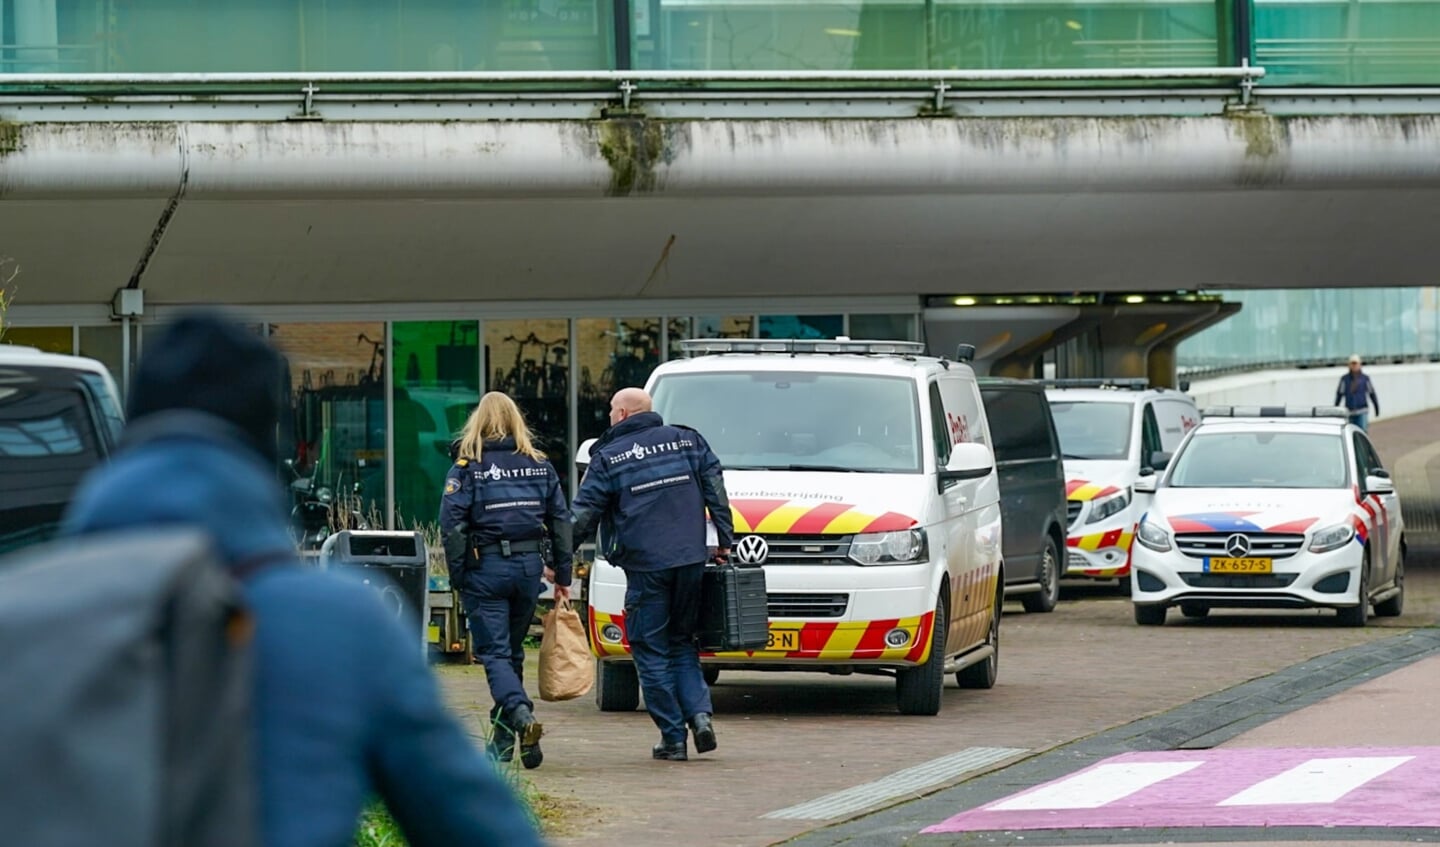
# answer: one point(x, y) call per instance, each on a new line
point(395, 563)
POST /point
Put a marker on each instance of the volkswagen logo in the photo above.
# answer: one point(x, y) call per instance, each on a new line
point(1238, 546)
point(752, 550)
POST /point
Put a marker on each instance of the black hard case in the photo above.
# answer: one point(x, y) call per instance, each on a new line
point(733, 610)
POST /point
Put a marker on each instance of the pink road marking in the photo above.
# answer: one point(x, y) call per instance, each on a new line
point(1402, 794)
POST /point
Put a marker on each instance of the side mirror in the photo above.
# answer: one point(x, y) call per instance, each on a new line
point(1381, 472)
point(1160, 460)
point(1146, 483)
point(582, 453)
point(968, 460)
point(1379, 485)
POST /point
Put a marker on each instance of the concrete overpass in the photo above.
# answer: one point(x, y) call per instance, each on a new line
point(225, 192)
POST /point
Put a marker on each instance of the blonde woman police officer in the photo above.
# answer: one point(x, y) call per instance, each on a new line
point(503, 506)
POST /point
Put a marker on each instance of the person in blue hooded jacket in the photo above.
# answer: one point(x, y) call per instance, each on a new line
point(344, 705)
point(651, 485)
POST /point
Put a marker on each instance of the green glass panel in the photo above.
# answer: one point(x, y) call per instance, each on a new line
point(308, 35)
point(901, 34)
point(437, 385)
point(801, 326)
point(1348, 42)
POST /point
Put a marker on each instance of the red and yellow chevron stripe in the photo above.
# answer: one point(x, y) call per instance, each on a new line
point(1100, 540)
point(1081, 489)
point(789, 517)
point(823, 641)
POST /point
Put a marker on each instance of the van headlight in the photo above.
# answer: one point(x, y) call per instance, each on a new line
point(890, 548)
point(1109, 507)
point(1153, 536)
point(1331, 538)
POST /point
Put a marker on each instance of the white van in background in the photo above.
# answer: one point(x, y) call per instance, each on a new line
point(1111, 432)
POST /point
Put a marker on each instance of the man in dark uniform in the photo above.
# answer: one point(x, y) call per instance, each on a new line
point(650, 484)
point(503, 505)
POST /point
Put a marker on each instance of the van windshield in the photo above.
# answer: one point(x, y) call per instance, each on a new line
point(1093, 430)
point(799, 421)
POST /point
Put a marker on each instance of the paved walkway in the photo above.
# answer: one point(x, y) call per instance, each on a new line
point(1357, 765)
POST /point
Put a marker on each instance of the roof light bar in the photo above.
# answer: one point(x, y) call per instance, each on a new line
point(1132, 384)
point(1274, 412)
point(702, 346)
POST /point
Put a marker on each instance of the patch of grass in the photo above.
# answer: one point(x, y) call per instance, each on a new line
point(552, 815)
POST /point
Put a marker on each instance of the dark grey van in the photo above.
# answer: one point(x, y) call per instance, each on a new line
point(1032, 489)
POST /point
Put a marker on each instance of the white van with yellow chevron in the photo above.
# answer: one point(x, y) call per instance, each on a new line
point(1111, 433)
point(861, 478)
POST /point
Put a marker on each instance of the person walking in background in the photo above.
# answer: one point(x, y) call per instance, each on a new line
point(345, 707)
point(1356, 392)
point(650, 485)
point(503, 506)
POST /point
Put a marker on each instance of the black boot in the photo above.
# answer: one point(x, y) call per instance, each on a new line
point(501, 745)
point(668, 752)
point(527, 731)
point(704, 733)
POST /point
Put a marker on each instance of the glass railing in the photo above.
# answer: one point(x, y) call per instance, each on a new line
point(1313, 327)
point(1299, 42)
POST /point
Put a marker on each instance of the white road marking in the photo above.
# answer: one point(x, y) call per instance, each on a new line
point(898, 784)
point(1095, 788)
point(1317, 781)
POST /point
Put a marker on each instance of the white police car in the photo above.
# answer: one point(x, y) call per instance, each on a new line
point(1271, 508)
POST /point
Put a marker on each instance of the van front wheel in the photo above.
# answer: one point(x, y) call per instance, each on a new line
point(918, 690)
point(617, 686)
point(983, 674)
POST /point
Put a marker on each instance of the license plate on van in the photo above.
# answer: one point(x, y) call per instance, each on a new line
point(782, 640)
point(1224, 565)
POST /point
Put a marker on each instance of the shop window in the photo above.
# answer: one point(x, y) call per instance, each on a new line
point(897, 327)
point(334, 431)
point(530, 361)
point(612, 353)
point(51, 339)
point(801, 326)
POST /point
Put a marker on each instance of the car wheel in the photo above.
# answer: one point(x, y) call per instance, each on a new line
point(1393, 607)
point(617, 686)
point(1045, 599)
point(1122, 584)
point(983, 674)
point(1150, 614)
point(1194, 610)
point(918, 690)
point(1359, 614)
point(712, 674)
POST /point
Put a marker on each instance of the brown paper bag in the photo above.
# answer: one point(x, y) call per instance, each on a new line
point(567, 669)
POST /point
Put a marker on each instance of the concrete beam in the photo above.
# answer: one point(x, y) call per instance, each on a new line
point(1162, 362)
point(1129, 335)
point(1004, 336)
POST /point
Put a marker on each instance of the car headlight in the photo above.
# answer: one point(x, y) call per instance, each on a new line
point(1109, 507)
point(1154, 536)
point(889, 548)
point(1331, 538)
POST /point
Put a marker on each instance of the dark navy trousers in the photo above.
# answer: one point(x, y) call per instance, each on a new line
point(500, 597)
point(662, 621)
